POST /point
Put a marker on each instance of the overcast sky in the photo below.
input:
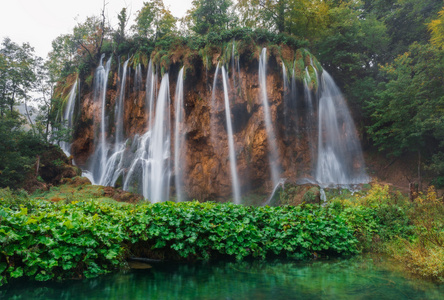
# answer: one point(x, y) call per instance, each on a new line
point(39, 22)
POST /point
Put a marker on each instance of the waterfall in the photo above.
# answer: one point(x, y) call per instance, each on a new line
point(340, 160)
point(120, 107)
point(138, 78)
point(112, 166)
point(294, 98)
point(213, 110)
point(68, 117)
point(159, 149)
point(143, 163)
point(151, 85)
point(232, 155)
point(178, 136)
point(286, 93)
point(310, 119)
point(272, 145)
point(101, 152)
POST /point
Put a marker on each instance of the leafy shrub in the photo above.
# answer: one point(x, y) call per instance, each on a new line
point(45, 240)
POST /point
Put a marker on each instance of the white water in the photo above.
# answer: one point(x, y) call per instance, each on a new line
point(68, 117)
point(310, 119)
point(159, 150)
point(232, 154)
point(151, 92)
point(286, 94)
point(272, 144)
point(213, 111)
point(178, 137)
point(113, 162)
point(101, 152)
point(138, 78)
point(339, 160)
point(149, 168)
point(120, 107)
point(145, 166)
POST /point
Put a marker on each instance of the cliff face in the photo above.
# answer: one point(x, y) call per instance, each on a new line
point(204, 157)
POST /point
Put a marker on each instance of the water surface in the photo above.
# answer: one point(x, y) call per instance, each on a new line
point(355, 278)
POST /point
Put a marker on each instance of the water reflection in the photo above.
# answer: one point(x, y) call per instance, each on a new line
point(356, 278)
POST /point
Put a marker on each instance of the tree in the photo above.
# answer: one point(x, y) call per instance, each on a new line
point(17, 73)
point(305, 18)
point(408, 108)
point(18, 150)
point(89, 37)
point(154, 20)
point(63, 57)
point(123, 21)
point(406, 20)
point(210, 15)
point(436, 28)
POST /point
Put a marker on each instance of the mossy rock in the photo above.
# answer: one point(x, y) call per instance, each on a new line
point(313, 195)
point(293, 194)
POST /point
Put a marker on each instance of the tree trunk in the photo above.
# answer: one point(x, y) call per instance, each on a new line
point(419, 170)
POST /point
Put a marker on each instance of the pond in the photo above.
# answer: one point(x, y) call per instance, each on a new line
point(361, 277)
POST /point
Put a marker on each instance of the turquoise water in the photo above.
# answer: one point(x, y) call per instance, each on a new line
point(355, 278)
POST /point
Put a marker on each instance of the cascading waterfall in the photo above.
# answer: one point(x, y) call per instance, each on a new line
point(114, 163)
point(145, 165)
point(151, 85)
point(68, 117)
point(294, 98)
point(120, 107)
point(232, 155)
point(101, 153)
point(310, 119)
point(272, 145)
point(149, 169)
point(287, 100)
point(159, 149)
point(178, 136)
point(213, 109)
point(138, 78)
point(339, 160)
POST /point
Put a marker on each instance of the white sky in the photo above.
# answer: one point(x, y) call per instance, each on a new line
point(39, 22)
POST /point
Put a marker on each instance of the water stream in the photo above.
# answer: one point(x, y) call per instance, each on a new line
point(273, 155)
point(179, 137)
point(232, 154)
point(68, 117)
point(339, 160)
point(159, 148)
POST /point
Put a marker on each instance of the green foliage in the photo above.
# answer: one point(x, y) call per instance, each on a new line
point(407, 111)
point(154, 20)
point(18, 150)
point(210, 15)
point(17, 73)
point(376, 215)
point(45, 240)
point(436, 28)
point(423, 252)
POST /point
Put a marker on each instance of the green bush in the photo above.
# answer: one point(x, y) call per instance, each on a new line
point(44, 240)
